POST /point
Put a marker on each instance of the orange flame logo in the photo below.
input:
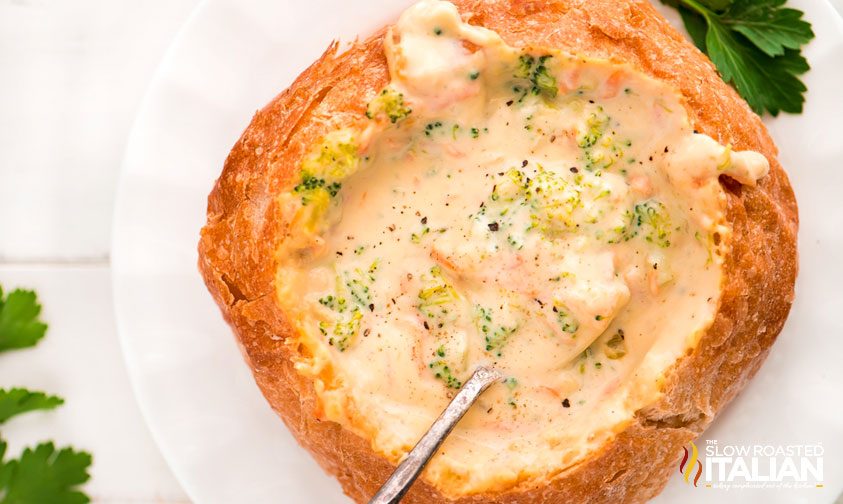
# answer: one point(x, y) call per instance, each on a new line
point(686, 467)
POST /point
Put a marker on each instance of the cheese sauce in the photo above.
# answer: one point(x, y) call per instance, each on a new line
point(552, 216)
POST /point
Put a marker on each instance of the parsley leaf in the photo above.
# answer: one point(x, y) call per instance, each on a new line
point(755, 44)
point(717, 5)
point(41, 474)
point(695, 25)
point(770, 27)
point(765, 82)
point(17, 400)
point(713, 5)
point(19, 323)
point(5, 469)
point(44, 475)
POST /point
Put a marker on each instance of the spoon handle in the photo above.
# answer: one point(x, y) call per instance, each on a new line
point(397, 485)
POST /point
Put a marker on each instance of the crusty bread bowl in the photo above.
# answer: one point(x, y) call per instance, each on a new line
point(246, 244)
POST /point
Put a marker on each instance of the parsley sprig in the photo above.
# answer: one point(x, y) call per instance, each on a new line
point(18, 400)
point(19, 323)
point(756, 45)
point(43, 474)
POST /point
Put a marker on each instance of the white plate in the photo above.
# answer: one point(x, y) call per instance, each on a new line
point(212, 424)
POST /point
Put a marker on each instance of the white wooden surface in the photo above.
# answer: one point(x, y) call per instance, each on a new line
point(73, 75)
point(80, 360)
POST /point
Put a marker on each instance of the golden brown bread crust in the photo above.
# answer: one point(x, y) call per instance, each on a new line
point(245, 225)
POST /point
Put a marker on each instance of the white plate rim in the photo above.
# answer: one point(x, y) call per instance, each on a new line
point(122, 332)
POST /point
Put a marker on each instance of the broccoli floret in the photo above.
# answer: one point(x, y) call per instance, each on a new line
point(329, 162)
point(541, 81)
point(438, 300)
point(567, 322)
point(443, 372)
point(497, 336)
point(653, 221)
point(391, 104)
point(615, 347)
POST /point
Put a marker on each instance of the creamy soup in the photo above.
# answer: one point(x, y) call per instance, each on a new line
point(552, 216)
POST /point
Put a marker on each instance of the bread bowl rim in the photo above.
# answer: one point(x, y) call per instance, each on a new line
point(249, 309)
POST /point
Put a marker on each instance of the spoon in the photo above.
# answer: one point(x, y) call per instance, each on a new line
point(399, 483)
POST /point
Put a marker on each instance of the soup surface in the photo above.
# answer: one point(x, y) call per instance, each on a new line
point(552, 216)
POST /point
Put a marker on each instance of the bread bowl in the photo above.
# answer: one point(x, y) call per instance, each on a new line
point(616, 251)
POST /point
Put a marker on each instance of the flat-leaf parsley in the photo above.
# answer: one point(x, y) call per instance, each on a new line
point(44, 474)
point(20, 326)
point(755, 44)
point(15, 401)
